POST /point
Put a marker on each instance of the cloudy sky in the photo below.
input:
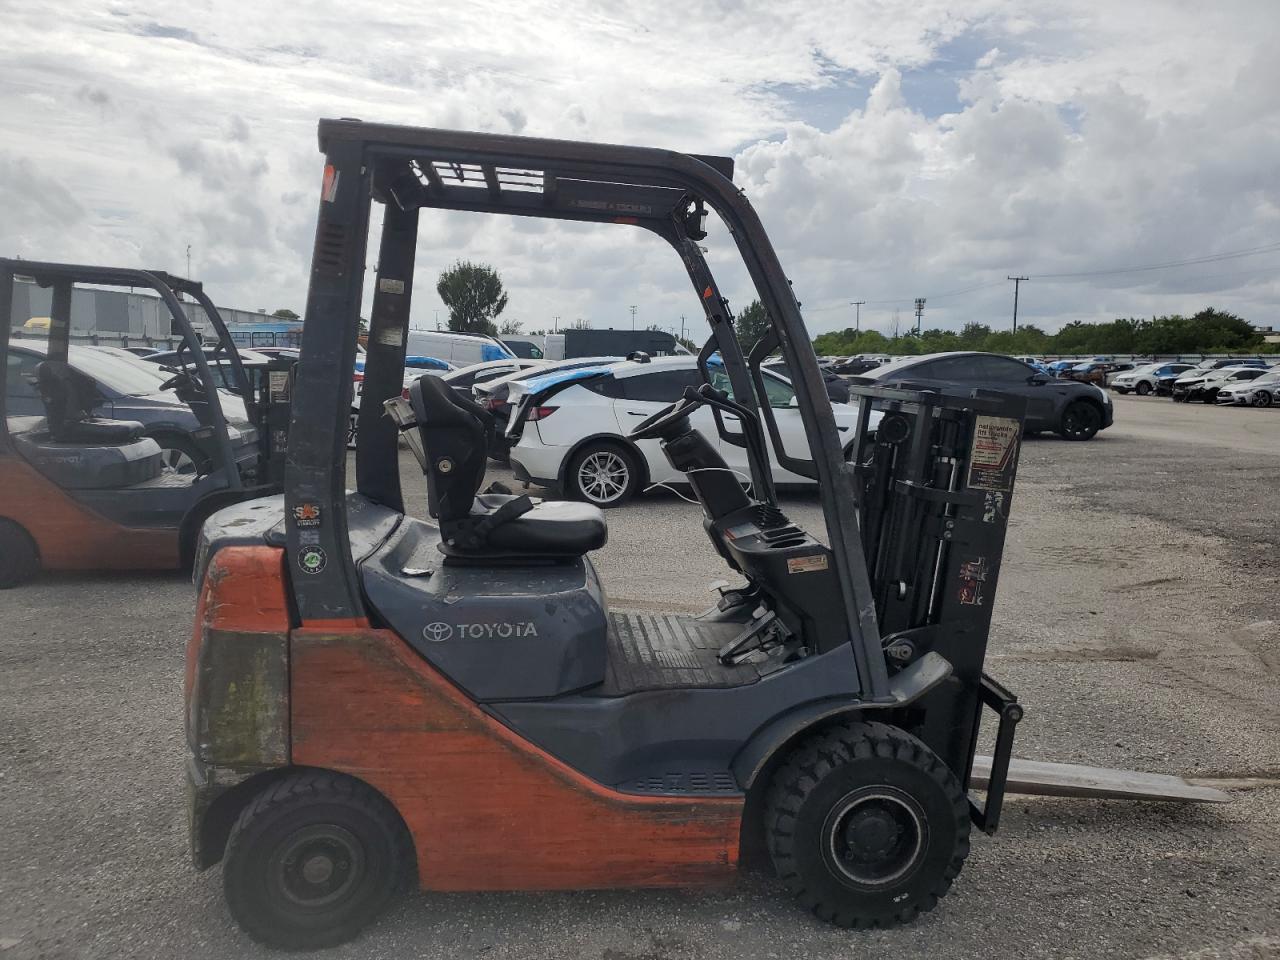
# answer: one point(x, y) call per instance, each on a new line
point(895, 148)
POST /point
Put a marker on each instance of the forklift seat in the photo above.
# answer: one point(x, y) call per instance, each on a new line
point(67, 410)
point(491, 527)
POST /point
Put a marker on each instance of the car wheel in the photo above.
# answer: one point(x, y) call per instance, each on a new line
point(19, 558)
point(1080, 420)
point(1209, 396)
point(1262, 398)
point(604, 474)
point(1142, 389)
point(313, 860)
point(179, 454)
point(1123, 391)
point(866, 826)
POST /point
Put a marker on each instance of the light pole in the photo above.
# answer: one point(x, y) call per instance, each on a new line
point(556, 325)
point(188, 261)
point(857, 317)
point(1017, 282)
point(633, 317)
point(919, 315)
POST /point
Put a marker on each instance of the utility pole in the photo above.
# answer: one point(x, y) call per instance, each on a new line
point(188, 261)
point(857, 318)
point(556, 327)
point(437, 321)
point(633, 317)
point(682, 326)
point(1017, 282)
point(919, 315)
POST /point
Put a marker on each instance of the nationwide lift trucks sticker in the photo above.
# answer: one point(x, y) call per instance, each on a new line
point(992, 455)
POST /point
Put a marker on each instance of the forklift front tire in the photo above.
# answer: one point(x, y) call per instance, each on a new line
point(866, 826)
point(312, 860)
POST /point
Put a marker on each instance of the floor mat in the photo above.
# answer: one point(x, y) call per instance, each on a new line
point(664, 652)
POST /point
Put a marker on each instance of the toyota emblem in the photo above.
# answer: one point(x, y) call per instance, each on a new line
point(437, 632)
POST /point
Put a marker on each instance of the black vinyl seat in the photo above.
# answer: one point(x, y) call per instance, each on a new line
point(67, 410)
point(490, 527)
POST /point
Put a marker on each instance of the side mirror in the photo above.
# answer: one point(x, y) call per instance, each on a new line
point(794, 401)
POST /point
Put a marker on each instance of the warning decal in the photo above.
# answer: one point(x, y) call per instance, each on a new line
point(994, 450)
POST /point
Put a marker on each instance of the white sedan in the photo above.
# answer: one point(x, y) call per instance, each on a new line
point(573, 428)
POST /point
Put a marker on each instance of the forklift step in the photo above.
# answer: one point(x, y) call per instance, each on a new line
point(1040, 779)
point(668, 651)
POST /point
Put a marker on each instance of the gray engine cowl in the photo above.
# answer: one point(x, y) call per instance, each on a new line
point(500, 633)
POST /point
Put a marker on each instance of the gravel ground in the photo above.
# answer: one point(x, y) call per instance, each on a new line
point(1137, 619)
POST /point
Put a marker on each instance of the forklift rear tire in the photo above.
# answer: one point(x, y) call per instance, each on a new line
point(312, 860)
point(19, 559)
point(866, 826)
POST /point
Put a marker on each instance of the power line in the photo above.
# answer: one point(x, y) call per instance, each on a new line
point(1192, 261)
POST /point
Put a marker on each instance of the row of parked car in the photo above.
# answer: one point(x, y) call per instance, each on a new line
point(564, 425)
point(1230, 382)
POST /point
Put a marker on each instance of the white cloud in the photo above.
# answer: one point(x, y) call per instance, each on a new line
point(1087, 135)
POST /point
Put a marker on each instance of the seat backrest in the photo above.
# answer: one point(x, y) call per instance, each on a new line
point(454, 433)
point(61, 393)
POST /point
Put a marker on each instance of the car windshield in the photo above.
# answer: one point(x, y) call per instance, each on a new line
point(1271, 376)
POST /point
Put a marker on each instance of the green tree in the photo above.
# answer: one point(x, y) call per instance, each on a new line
point(752, 325)
point(284, 313)
point(509, 327)
point(474, 296)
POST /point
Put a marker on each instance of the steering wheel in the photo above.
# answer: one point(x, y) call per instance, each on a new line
point(667, 421)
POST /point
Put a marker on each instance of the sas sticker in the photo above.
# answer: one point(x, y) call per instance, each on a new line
point(312, 560)
point(973, 574)
point(809, 564)
point(307, 515)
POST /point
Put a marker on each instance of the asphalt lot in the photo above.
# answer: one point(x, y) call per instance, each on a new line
point(1137, 619)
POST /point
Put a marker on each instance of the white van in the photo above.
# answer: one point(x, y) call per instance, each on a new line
point(459, 349)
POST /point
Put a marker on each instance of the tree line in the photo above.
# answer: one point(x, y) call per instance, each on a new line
point(1209, 331)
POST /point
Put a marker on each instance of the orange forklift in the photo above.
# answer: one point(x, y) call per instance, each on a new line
point(83, 491)
point(373, 697)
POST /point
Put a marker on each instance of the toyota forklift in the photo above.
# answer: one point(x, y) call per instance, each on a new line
point(372, 696)
point(87, 492)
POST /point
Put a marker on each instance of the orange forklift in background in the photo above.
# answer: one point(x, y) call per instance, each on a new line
point(80, 491)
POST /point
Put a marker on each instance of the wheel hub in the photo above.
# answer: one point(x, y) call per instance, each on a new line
point(876, 836)
point(318, 865)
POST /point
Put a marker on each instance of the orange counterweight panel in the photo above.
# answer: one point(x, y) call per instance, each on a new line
point(487, 809)
point(70, 536)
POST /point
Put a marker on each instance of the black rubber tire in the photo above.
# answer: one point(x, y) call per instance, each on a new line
point(572, 482)
point(1081, 420)
point(1142, 389)
point(1209, 396)
point(316, 807)
point(182, 444)
point(856, 763)
point(1262, 398)
point(19, 558)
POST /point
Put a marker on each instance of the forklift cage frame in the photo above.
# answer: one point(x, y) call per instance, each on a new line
point(408, 168)
point(63, 277)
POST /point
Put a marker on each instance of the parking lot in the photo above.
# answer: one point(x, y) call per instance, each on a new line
point(1137, 620)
